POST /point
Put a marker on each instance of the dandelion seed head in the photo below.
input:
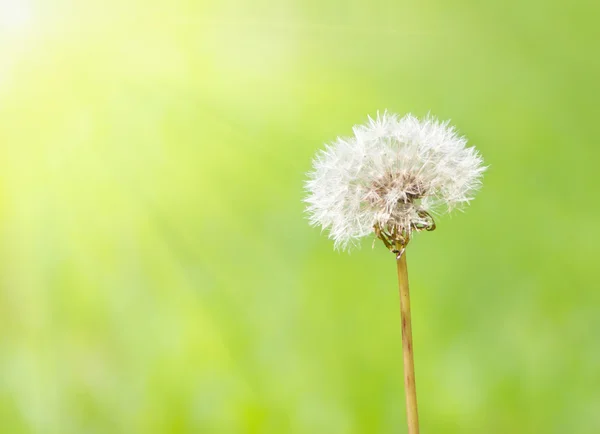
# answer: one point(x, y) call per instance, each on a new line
point(392, 173)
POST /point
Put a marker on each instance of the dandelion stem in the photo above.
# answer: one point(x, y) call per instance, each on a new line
point(410, 389)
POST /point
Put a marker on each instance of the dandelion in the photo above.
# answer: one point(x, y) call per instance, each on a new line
point(389, 180)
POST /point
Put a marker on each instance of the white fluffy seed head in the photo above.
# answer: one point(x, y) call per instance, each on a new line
point(391, 173)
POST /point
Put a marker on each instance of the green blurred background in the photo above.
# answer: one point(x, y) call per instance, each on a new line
point(158, 274)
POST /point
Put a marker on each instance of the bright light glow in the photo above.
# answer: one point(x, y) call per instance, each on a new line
point(15, 16)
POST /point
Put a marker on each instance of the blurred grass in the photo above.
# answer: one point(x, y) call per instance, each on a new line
point(157, 273)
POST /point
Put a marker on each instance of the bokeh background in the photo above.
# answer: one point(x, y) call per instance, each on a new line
point(157, 272)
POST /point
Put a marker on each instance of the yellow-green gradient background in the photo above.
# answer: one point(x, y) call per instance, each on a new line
point(157, 272)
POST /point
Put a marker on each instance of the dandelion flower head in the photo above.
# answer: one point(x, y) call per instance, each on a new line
point(392, 175)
